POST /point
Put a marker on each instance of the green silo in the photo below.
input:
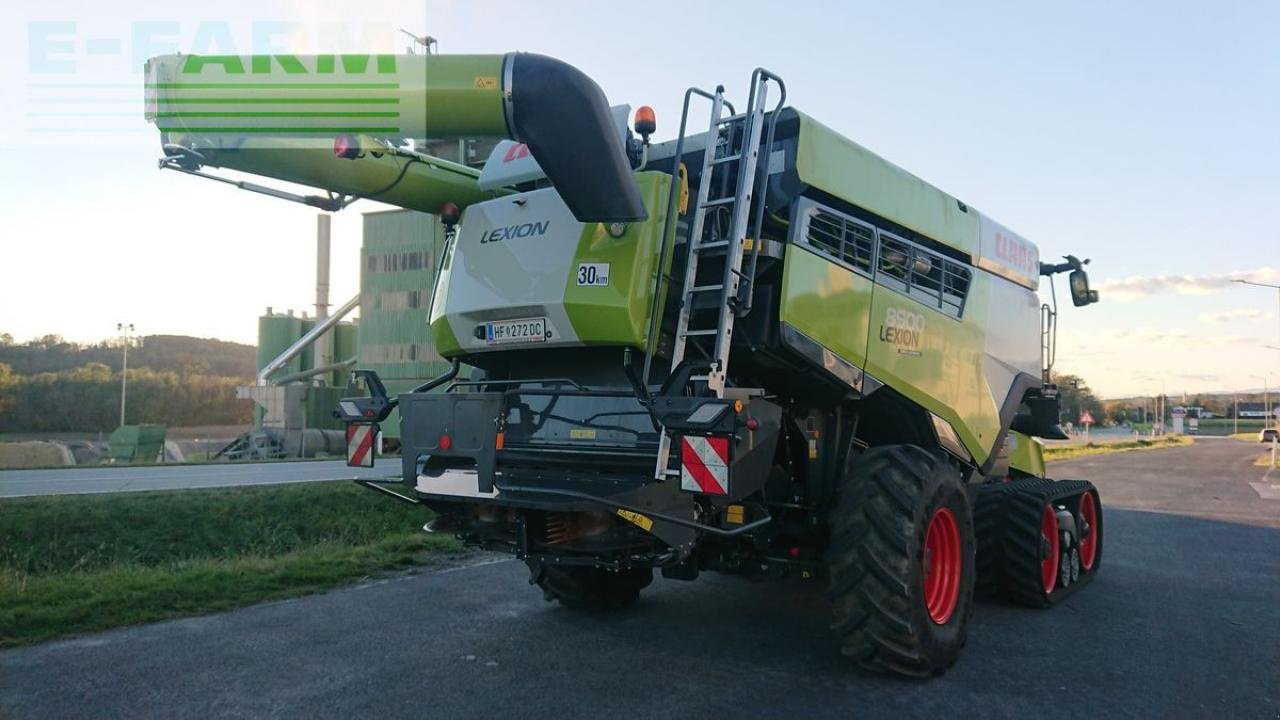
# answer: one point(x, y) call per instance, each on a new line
point(276, 332)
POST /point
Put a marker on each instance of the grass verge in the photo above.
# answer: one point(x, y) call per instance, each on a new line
point(83, 563)
point(1067, 452)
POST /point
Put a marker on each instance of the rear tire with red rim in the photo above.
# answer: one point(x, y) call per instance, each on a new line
point(901, 561)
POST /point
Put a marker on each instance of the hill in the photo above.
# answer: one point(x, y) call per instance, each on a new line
point(179, 354)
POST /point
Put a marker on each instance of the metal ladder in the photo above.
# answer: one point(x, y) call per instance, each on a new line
point(741, 150)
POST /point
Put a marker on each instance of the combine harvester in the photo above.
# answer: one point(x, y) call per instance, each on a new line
point(756, 349)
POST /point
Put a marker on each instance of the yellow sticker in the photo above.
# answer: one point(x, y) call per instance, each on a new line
point(747, 244)
point(486, 82)
point(582, 434)
point(641, 521)
point(734, 514)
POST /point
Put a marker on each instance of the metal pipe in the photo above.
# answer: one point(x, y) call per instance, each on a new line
point(324, 348)
point(306, 340)
point(333, 367)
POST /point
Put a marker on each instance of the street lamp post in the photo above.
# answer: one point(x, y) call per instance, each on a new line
point(126, 329)
point(1266, 400)
point(1267, 285)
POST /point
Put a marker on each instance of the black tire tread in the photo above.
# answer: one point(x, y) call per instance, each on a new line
point(873, 526)
point(1015, 560)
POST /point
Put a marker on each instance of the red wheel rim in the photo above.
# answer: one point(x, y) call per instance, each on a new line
point(942, 566)
point(1049, 536)
point(1089, 548)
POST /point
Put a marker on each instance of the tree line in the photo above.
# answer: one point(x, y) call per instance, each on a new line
point(87, 399)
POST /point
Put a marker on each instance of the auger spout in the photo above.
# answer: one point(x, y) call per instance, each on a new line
point(278, 116)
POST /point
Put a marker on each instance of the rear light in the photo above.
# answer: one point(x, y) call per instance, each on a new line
point(450, 213)
point(346, 147)
point(446, 443)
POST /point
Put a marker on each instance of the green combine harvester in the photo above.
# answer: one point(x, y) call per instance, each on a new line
point(757, 348)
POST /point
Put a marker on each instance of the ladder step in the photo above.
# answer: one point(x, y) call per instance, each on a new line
point(718, 201)
point(730, 119)
point(705, 288)
point(716, 245)
point(727, 158)
point(708, 331)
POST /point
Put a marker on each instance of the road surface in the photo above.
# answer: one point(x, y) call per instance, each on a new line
point(1183, 621)
point(74, 480)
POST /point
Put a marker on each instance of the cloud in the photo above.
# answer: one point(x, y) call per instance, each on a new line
point(1138, 286)
point(1237, 314)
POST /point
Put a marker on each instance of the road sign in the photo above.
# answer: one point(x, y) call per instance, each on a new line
point(1086, 418)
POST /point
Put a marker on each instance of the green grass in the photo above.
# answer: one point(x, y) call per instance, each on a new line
point(82, 563)
point(1067, 452)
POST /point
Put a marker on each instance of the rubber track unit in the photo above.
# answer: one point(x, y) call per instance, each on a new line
point(589, 588)
point(874, 561)
point(1007, 518)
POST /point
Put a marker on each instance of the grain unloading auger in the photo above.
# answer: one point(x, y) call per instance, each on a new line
point(279, 116)
point(845, 370)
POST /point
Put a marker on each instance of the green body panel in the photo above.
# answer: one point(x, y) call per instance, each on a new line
point(827, 302)
point(942, 371)
point(619, 314)
point(1026, 454)
point(396, 96)
point(837, 165)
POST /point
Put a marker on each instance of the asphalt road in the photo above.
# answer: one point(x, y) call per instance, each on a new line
point(1183, 621)
point(74, 480)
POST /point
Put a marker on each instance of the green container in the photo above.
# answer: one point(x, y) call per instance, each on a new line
point(321, 402)
point(137, 443)
point(275, 334)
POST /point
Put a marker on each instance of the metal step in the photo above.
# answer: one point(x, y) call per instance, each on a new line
point(713, 245)
point(705, 288)
point(709, 331)
point(726, 158)
point(717, 202)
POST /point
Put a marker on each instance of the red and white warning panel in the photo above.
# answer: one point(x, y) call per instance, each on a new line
point(360, 440)
point(704, 464)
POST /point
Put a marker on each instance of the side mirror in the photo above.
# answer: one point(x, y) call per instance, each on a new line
point(1081, 295)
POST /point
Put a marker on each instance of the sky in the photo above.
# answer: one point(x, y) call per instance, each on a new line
point(1140, 135)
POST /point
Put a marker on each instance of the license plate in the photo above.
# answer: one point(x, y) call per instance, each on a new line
point(516, 331)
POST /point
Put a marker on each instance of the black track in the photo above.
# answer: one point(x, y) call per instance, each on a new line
point(1010, 540)
point(875, 561)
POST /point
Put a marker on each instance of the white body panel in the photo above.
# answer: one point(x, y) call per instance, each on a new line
point(1007, 254)
point(513, 259)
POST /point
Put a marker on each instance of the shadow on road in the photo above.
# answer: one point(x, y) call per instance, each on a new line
point(1182, 622)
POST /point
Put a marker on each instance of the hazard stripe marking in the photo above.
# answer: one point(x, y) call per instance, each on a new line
point(359, 443)
point(704, 465)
